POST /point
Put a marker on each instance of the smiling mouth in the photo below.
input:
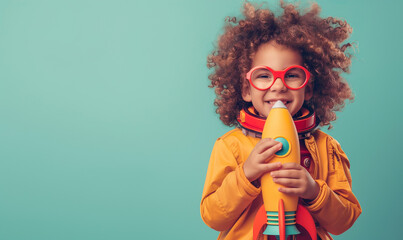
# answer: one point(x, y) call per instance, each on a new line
point(274, 101)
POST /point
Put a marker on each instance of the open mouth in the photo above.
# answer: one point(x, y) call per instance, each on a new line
point(274, 101)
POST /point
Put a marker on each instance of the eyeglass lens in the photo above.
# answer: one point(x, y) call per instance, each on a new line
point(263, 78)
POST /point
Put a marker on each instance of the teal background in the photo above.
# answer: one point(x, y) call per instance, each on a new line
point(107, 123)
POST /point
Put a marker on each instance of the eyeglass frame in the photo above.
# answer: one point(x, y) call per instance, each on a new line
point(278, 74)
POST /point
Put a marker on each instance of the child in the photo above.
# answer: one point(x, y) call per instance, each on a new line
point(249, 53)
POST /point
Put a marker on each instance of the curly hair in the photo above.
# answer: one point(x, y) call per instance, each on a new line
point(318, 40)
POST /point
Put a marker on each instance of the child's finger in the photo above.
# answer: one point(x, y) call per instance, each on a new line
point(271, 151)
point(268, 167)
point(265, 144)
point(291, 165)
point(290, 191)
point(286, 173)
point(287, 182)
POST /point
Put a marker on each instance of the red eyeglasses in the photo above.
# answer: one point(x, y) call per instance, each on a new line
point(294, 77)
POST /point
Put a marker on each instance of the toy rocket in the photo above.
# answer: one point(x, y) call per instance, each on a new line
point(280, 212)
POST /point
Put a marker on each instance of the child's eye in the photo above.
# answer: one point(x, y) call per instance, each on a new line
point(292, 75)
point(263, 76)
point(295, 74)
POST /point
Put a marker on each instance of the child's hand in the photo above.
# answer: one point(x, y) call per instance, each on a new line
point(257, 163)
point(296, 181)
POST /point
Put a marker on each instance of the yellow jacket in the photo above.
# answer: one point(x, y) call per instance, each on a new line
point(230, 202)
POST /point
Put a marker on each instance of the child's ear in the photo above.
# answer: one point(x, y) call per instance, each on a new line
point(246, 92)
point(308, 92)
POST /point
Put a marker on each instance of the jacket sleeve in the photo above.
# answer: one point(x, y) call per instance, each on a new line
point(335, 208)
point(227, 192)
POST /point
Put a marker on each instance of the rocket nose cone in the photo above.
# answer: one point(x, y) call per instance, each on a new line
point(279, 104)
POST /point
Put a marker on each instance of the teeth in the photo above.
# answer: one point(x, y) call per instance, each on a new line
point(272, 102)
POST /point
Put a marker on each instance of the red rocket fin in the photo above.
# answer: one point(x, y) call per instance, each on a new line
point(305, 220)
point(281, 219)
point(260, 221)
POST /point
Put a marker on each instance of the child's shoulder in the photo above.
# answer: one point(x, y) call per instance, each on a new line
point(319, 135)
point(234, 139)
point(235, 142)
point(325, 141)
point(234, 135)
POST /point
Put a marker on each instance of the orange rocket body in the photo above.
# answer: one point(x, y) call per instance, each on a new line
point(279, 211)
point(280, 127)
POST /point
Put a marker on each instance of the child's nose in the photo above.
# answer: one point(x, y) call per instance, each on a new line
point(278, 85)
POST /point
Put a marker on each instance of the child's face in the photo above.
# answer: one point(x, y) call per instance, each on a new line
point(277, 57)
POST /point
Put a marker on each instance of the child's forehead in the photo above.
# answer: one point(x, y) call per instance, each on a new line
point(275, 55)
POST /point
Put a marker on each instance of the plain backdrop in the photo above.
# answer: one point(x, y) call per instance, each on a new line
point(107, 123)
